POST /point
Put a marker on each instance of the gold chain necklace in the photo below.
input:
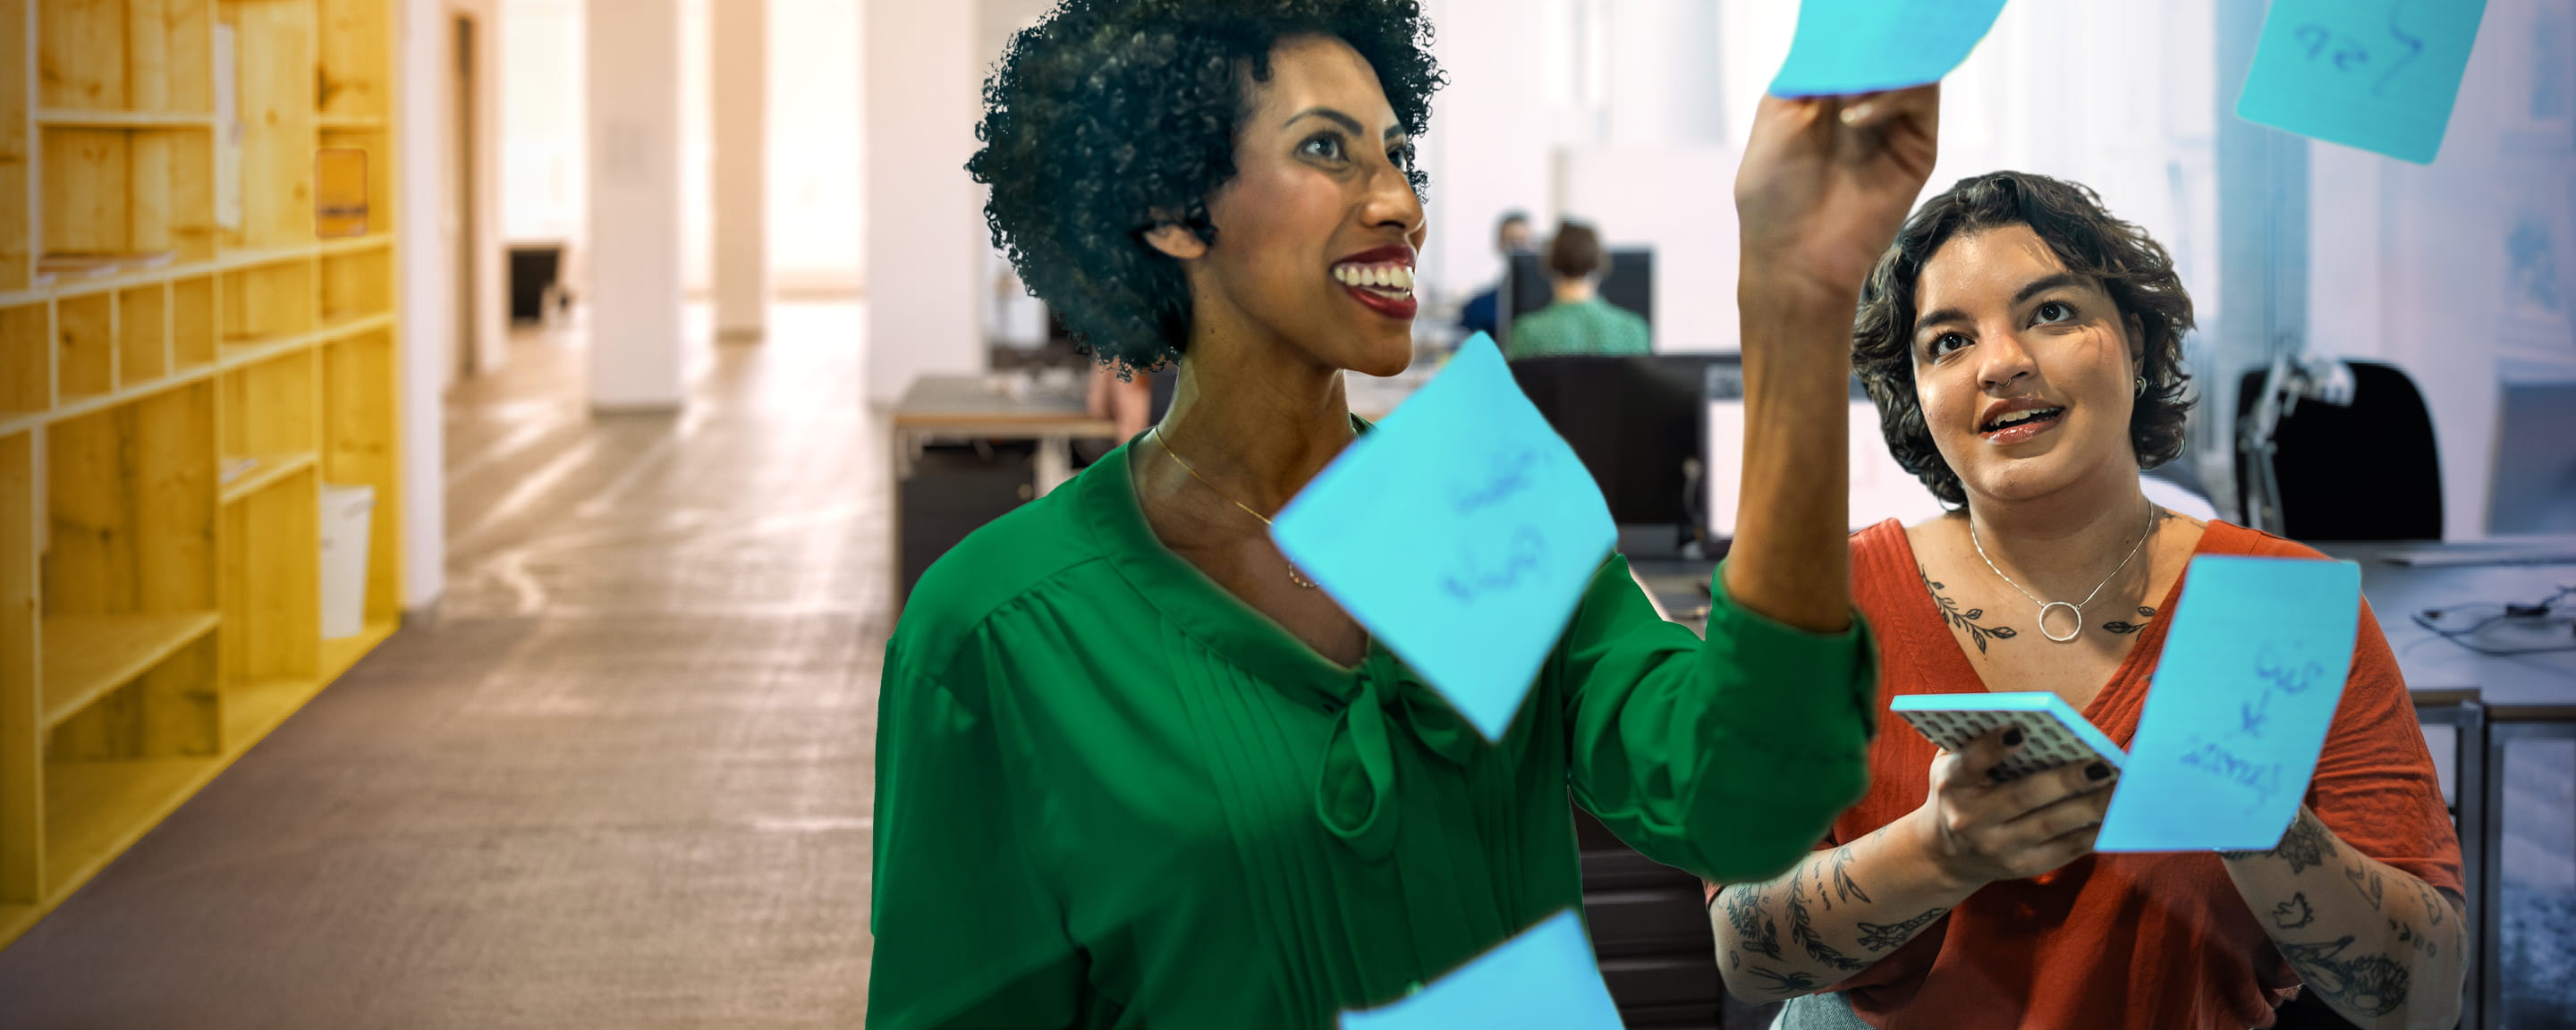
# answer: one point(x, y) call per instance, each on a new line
point(1294, 576)
point(2044, 606)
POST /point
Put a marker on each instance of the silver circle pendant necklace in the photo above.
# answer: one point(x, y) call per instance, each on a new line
point(2076, 607)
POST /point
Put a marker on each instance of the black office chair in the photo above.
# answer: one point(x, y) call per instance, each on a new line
point(2365, 471)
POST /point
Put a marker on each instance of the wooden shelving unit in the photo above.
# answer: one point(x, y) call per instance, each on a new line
point(185, 365)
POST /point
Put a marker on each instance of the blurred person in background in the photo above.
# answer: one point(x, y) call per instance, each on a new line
point(1483, 313)
point(1579, 322)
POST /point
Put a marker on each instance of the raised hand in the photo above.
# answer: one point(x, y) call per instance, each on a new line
point(1825, 184)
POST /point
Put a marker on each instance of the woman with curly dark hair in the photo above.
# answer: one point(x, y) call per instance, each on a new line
point(1133, 769)
point(2025, 351)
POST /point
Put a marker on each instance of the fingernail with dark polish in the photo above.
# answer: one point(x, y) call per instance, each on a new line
point(2012, 737)
point(2097, 771)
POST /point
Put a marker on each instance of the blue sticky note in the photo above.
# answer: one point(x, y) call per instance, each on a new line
point(2376, 74)
point(2251, 672)
point(1544, 979)
point(1461, 530)
point(1863, 46)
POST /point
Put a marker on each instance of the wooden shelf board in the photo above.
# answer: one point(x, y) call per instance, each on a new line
point(251, 711)
point(86, 657)
point(53, 117)
point(241, 353)
point(241, 259)
point(63, 289)
point(338, 655)
point(350, 122)
point(95, 810)
point(14, 422)
point(360, 324)
point(271, 470)
point(357, 244)
point(16, 920)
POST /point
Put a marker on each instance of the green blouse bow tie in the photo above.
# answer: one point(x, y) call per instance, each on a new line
point(1356, 783)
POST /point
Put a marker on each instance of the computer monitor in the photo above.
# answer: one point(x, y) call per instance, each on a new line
point(2534, 486)
point(1527, 287)
point(1635, 421)
point(1880, 488)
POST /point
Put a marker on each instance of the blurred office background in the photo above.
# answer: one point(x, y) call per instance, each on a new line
point(702, 353)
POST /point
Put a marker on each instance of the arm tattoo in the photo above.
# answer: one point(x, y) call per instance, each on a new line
point(2366, 880)
point(1754, 931)
point(2125, 627)
point(2435, 905)
point(1845, 888)
point(1787, 982)
point(2305, 844)
point(1966, 620)
point(1883, 936)
point(2369, 984)
point(2406, 935)
point(1803, 927)
point(2294, 913)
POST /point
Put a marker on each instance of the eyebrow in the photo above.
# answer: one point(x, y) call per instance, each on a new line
point(2034, 288)
point(1348, 123)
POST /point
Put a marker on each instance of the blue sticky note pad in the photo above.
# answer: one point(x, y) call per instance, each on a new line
point(2376, 74)
point(2252, 670)
point(1461, 531)
point(1544, 979)
point(1862, 46)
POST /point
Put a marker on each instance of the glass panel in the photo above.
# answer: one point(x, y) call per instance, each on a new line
point(2537, 896)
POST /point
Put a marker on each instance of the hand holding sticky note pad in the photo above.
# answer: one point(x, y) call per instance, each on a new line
point(2252, 670)
point(2376, 74)
point(1544, 979)
point(1864, 46)
point(1461, 530)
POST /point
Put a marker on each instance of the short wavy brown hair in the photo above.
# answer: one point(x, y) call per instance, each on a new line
point(2131, 266)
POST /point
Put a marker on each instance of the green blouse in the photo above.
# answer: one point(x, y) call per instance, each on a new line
point(1109, 794)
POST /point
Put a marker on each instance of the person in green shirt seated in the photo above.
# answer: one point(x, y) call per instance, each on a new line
point(1580, 322)
point(1133, 768)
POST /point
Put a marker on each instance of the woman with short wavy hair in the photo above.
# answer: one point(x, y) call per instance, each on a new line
point(1133, 769)
point(2025, 351)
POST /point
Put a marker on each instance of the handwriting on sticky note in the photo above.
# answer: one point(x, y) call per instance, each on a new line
point(2377, 74)
point(2242, 697)
point(1461, 531)
point(1544, 979)
point(1863, 46)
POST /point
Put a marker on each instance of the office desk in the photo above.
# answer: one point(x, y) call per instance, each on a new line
point(976, 408)
point(2515, 716)
point(997, 407)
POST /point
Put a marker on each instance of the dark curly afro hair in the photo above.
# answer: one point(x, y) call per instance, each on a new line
point(1107, 111)
point(2132, 267)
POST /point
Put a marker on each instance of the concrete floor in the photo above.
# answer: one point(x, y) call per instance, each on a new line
point(620, 780)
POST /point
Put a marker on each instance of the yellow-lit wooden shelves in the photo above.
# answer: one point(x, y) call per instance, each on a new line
point(186, 365)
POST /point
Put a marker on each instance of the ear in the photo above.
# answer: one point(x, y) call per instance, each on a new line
point(2137, 328)
point(1174, 239)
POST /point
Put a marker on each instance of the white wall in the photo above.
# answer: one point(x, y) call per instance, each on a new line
point(545, 163)
point(815, 143)
point(635, 127)
point(2413, 265)
point(924, 231)
point(426, 266)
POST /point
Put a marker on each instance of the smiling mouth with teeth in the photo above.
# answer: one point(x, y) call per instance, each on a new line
point(2010, 419)
point(1387, 280)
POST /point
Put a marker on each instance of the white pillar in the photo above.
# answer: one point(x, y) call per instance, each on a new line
point(741, 144)
point(427, 263)
point(921, 81)
point(635, 239)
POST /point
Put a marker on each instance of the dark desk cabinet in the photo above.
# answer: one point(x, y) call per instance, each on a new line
point(1649, 928)
point(954, 490)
